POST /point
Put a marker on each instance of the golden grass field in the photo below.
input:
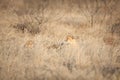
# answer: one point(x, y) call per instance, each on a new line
point(59, 39)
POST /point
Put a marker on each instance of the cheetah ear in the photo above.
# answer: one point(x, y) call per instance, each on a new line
point(69, 37)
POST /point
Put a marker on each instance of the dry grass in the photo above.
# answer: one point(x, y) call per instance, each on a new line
point(59, 40)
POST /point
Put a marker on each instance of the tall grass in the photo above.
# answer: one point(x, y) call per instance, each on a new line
point(59, 40)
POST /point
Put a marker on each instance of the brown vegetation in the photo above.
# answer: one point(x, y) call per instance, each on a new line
point(59, 40)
